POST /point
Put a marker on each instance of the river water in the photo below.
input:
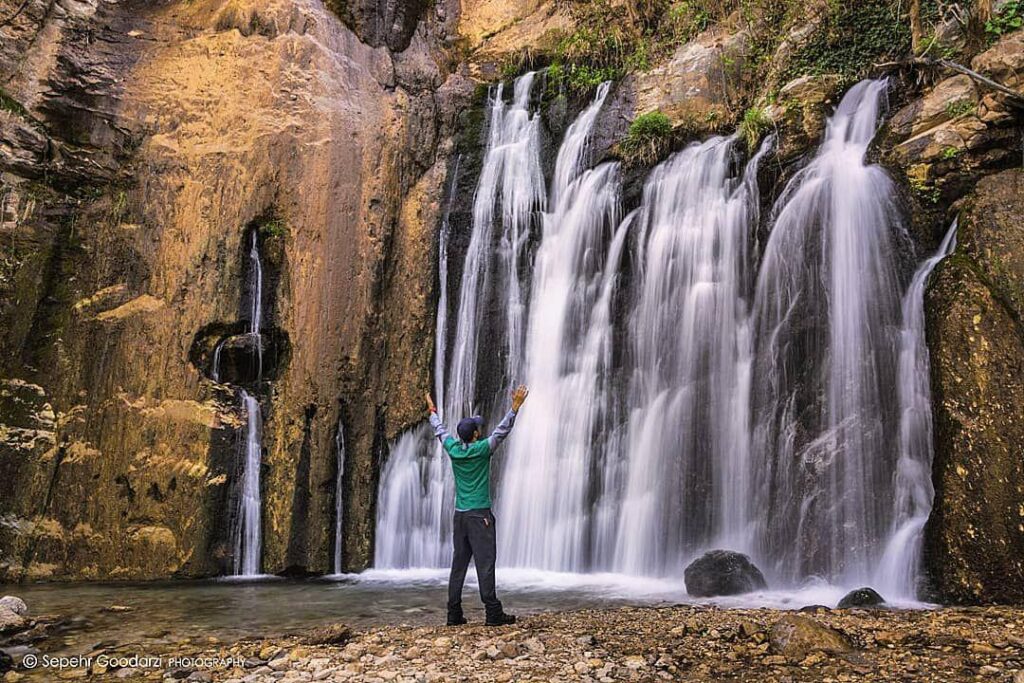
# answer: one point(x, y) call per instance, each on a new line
point(163, 614)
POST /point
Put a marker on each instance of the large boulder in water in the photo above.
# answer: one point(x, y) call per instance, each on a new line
point(973, 308)
point(862, 597)
point(722, 572)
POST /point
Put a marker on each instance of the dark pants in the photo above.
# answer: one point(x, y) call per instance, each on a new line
point(473, 537)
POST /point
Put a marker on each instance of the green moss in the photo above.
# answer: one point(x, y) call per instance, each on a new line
point(649, 137)
point(273, 228)
point(950, 153)
point(853, 38)
point(754, 125)
point(8, 103)
point(962, 107)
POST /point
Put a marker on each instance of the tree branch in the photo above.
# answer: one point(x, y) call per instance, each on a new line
point(1016, 98)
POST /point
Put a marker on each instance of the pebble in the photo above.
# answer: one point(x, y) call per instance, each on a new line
point(647, 644)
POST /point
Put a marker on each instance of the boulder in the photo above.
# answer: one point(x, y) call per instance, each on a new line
point(722, 572)
point(973, 310)
point(862, 597)
point(795, 637)
point(15, 604)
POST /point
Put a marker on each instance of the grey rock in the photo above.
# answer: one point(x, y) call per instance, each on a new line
point(722, 572)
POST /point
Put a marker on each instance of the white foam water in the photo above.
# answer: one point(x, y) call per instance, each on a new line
point(898, 570)
point(248, 526)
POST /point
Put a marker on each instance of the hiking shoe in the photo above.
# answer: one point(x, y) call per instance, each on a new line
point(456, 621)
point(503, 619)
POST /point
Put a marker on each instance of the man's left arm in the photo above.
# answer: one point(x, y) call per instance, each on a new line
point(502, 431)
point(504, 427)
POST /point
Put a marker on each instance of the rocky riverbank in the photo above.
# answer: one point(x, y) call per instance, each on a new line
point(691, 643)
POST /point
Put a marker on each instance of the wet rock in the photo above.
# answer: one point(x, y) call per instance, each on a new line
point(335, 634)
point(811, 609)
point(973, 309)
point(11, 621)
point(795, 637)
point(861, 597)
point(722, 572)
point(15, 604)
point(118, 609)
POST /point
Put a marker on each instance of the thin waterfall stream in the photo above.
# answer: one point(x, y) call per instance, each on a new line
point(723, 394)
point(247, 520)
point(339, 496)
point(898, 571)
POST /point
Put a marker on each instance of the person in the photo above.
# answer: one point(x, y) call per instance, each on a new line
point(473, 528)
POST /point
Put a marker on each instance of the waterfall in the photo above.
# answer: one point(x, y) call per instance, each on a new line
point(215, 371)
point(827, 319)
point(441, 324)
point(899, 567)
point(687, 449)
point(511, 178)
point(339, 494)
point(248, 539)
point(546, 476)
point(247, 527)
point(545, 480)
point(256, 301)
point(415, 497)
point(688, 392)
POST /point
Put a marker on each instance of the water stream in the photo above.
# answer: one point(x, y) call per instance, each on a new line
point(248, 524)
point(718, 395)
point(247, 519)
point(339, 496)
point(899, 569)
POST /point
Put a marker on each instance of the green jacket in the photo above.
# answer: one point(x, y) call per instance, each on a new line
point(471, 463)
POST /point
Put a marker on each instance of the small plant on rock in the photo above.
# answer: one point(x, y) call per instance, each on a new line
point(272, 228)
point(648, 138)
point(754, 125)
point(1009, 19)
point(961, 107)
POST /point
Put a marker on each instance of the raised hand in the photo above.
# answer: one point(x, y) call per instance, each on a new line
point(518, 396)
point(430, 403)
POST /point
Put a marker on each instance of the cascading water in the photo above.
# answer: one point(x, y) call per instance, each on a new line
point(248, 525)
point(899, 567)
point(827, 318)
point(545, 479)
point(687, 449)
point(256, 302)
point(710, 398)
point(339, 495)
point(248, 529)
point(510, 179)
point(415, 498)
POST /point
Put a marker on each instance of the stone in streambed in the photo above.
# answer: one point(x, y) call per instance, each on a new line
point(334, 634)
point(795, 637)
point(862, 597)
point(11, 621)
point(15, 604)
point(722, 572)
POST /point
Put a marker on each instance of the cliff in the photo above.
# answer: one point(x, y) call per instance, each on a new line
point(144, 145)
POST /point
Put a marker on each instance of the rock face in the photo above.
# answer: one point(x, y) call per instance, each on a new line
point(794, 637)
point(140, 145)
point(722, 572)
point(861, 597)
point(975, 305)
